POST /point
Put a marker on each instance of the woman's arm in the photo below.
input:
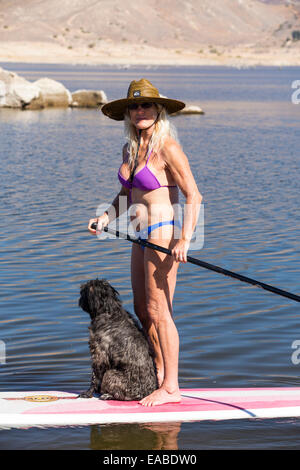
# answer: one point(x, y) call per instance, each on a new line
point(178, 165)
point(112, 212)
point(119, 205)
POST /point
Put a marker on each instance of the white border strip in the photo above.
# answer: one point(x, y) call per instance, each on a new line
point(22, 421)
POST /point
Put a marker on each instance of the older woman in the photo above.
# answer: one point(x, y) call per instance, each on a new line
point(153, 168)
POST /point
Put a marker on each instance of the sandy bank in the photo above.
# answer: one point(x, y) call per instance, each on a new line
point(122, 54)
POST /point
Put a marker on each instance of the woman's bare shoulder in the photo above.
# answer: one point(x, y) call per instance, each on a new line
point(171, 148)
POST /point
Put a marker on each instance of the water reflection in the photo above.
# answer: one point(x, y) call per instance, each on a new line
point(149, 436)
point(31, 117)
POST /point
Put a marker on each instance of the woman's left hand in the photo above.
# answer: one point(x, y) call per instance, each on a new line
point(180, 250)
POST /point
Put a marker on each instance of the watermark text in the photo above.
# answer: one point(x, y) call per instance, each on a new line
point(160, 222)
point(2, 352)
point(296, 94)
point(296, 353)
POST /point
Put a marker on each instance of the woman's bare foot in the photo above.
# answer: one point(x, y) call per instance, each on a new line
point(161, 396)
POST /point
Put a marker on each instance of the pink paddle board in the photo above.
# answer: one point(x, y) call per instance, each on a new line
point(27, 409)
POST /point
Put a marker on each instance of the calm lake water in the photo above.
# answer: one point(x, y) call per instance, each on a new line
point(58, 165)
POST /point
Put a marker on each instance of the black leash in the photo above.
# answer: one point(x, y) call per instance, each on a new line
point(203, 264)
point(138, 148)
point(136, 156)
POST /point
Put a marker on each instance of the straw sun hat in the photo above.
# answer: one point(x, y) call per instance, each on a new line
point(140, 91)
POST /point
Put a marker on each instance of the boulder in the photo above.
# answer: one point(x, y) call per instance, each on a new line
point(52, 94)
point(188, 109)
point(191, 109)
point(15, 91)
point(88, 98)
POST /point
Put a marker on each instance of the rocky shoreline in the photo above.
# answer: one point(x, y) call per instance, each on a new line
point(19, 93)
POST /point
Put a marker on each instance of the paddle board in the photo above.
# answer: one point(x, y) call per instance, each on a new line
point(56, 408)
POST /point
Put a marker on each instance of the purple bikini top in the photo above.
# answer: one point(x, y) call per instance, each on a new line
point(144, 180)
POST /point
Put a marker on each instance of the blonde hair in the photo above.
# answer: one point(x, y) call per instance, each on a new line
point(162, 129)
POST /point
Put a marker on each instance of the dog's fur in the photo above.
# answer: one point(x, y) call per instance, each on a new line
point(122, 362)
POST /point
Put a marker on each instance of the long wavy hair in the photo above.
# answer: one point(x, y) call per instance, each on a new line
point(162, 129)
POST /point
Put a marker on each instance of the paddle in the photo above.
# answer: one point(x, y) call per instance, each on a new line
point(203, 264)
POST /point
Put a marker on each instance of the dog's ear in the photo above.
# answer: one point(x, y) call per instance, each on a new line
point(108, 289)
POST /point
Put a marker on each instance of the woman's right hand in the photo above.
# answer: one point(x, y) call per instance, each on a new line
point(101, 222)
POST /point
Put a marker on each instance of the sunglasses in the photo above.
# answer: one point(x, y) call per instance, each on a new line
point(134, 106)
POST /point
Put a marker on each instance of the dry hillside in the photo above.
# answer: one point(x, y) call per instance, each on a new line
point(98, 25)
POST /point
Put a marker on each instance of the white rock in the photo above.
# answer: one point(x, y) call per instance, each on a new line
point(53, 93)
point(88, 98)
point(192, 109)
point(189, 109)
point(15, 91)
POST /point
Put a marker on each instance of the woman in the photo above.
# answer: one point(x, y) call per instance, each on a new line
point(153, 168)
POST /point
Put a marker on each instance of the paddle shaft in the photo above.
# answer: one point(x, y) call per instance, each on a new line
point(205, 265)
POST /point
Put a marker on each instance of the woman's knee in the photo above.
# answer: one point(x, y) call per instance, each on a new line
point(158, 311)
point(148, 313)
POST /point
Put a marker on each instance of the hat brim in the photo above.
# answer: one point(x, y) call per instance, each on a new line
point(116, 109)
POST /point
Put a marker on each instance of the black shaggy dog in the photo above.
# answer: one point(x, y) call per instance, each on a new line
point(122, 363)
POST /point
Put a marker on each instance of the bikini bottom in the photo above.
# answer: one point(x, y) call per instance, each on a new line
point(144, 234)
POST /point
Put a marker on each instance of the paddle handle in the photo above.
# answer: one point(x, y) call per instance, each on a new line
point(205, 265)
point(138, 241)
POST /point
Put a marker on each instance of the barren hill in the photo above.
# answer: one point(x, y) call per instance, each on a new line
point(177, 24)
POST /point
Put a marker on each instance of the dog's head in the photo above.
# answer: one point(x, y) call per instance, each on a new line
point(98, 296)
